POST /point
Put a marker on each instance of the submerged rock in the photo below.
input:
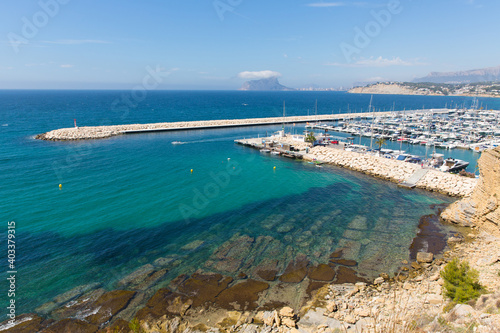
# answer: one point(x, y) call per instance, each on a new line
point(267, 270)
point(108, 305)
point(164, 261)
point(241, 296)
point(71, 325)
point(229, 257)
point(193, 245)
point(347, 275)
point(164, 303)
point(25, 323)
point(322, 272)
point(203, 288)
point(296, 270)
point(344, 262)
point(137, 276)
point(73, 308)
point(75, 292)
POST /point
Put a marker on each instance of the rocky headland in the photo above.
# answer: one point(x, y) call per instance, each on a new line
point(486, 89)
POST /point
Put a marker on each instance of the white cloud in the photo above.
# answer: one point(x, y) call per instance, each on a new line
point(378, 62)
point(345, 4)
point(258, 75)
point(326, 4)
point(76, 41)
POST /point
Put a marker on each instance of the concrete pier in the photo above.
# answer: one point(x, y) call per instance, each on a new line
point(102, 132)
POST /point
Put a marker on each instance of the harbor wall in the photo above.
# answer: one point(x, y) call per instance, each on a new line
point(395, 171)
point(102, 132)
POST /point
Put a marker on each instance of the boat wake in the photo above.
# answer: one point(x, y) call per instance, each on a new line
point(204, 141)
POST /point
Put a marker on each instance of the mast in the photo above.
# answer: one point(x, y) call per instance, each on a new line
point(373, 119)
point(283, 125)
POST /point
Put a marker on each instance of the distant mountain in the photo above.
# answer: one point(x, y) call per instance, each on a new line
point(270, 84)
point(490, 74)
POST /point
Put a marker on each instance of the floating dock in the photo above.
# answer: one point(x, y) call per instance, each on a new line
point(102, 132)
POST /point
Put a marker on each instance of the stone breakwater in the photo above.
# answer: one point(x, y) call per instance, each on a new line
point(395, 171)
point(103, 132)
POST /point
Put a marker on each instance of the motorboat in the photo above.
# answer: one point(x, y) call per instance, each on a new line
point(453, 165)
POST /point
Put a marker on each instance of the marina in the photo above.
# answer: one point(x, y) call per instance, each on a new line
point(456, 129)
point(446, 176)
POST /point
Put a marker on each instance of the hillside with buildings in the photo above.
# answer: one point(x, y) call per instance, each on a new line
point(479, 89)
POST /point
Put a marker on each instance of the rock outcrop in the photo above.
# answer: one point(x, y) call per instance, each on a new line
point(270, 84)
point(482, 207)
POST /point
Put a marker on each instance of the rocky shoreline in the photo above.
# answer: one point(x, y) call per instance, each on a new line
point(411, 300)
point(207, 299)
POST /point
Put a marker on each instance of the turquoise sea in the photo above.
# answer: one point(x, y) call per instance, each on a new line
point(129, 200)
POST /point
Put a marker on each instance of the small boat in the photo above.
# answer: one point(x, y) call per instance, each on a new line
point(265, 150)
point(274, 152)
point(453, 165)
point(177, 142)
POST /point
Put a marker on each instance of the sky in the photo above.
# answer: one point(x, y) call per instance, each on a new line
point(219, 44)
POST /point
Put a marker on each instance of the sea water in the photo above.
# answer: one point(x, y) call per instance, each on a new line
point(128, 200)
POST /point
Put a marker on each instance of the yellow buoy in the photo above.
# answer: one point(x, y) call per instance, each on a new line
point(274, 168)
point(191, 170)
point(60, 185)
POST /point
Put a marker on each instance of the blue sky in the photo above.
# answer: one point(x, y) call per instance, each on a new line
point(218, 44)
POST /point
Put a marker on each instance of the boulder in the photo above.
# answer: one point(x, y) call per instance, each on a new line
point(288, 322)
point(286, 312)
point(425, 257)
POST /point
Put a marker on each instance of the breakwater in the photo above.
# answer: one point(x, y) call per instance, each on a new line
point(400, 172)
point(395, 171)
point(102, 132)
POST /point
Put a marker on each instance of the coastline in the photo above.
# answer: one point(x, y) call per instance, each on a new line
point(405, 91)
point(219, 299)
point(338, 298)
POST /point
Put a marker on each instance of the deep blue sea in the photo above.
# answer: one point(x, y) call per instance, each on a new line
point(129, 200)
